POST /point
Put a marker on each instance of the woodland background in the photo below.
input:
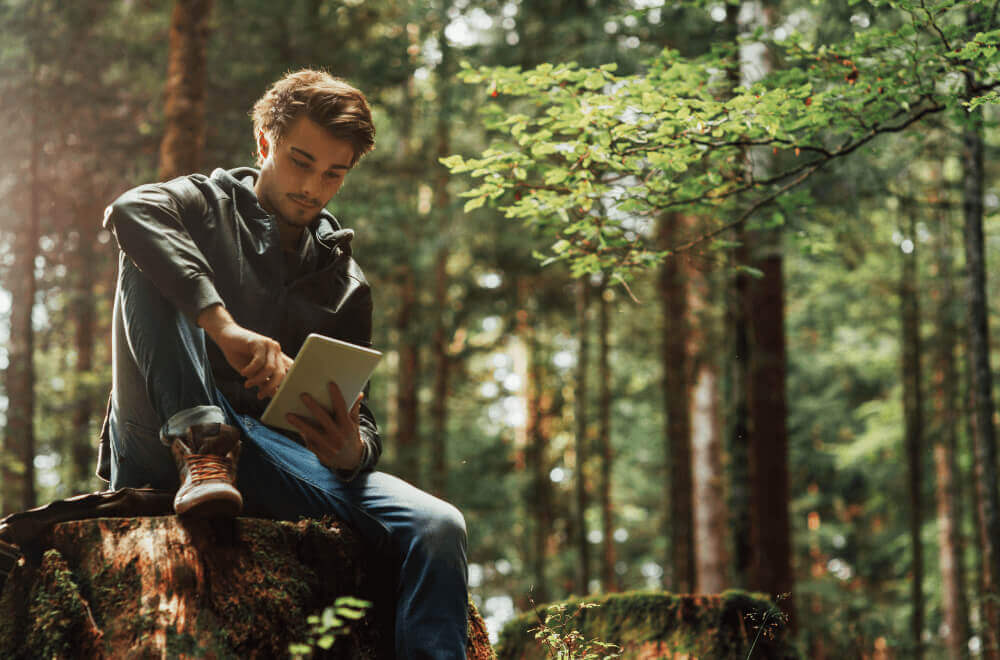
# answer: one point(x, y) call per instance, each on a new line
point(757, 355)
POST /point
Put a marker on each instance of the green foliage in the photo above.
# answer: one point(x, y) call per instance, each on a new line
point(562, 641)
point(326, 627)
point(587, 156)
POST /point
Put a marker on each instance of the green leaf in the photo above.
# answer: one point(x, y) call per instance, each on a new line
point(325, 642)
point(474, 203)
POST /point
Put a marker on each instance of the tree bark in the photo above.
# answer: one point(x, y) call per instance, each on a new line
point(738, 371)
point(582, 450)
point(913, 427)
point(81, 477)
point(407, 403)
point(709, 511)
point(609, 578)
point(681, 574)
point(769, 491)
point(184, 96)
point(984, 439)
point(166, 587)
point(18, 454)
point(540, 491)
point(764, 310)
point(951, 544)
point(442, 359)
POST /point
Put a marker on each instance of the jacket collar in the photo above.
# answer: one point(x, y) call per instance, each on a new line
point(326, 230)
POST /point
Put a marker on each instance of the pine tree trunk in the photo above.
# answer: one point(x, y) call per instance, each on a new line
point(439, 343)
point(536, 451)
point(86, 327)
point(913, 428)
point(609, 578)
point(681, 576)
point(18, 453)
point(738, 371)
point(407, 404)
point(582, 451)
point(951, 543)
point(184, 97)
point(764, 310)
point(709, 512)
point(984, 439)
point(769, 490)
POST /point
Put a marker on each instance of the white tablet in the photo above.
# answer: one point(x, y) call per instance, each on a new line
point(320, 361)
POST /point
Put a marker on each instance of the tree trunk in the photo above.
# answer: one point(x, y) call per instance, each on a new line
point(407, 404)
point(18, 454)
point(913, 426)
point(81, 476)
point(609, 578)
point(709, 511)
point(737, 370)
point(536, 453)
point(770, 530)
point(163, 586)
point(442, 360)
point(184, 96)
point(764, 311)
point(984, 440)
point(951, 543)
point(582, 451)
point(681, 574)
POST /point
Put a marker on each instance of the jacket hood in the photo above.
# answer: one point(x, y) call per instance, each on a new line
point(238, 183)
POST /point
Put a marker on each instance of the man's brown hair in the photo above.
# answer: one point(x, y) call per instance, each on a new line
point(330, 102)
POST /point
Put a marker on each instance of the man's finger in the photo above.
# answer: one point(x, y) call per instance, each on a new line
point(255, 364)
point(306, 429)
point(325, 417)
point(337, 397)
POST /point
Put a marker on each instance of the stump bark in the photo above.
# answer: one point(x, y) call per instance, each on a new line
point(168, 587)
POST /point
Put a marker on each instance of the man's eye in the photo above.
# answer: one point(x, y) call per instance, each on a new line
point(333, 175)
point(300, 164)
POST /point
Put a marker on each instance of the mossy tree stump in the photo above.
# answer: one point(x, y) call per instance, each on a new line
point(653, 624)
point(168, 587)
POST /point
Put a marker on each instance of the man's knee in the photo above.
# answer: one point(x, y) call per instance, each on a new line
point(442, 527)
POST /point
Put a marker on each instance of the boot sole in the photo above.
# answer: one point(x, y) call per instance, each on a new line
point(214, 508)
point(212, 501)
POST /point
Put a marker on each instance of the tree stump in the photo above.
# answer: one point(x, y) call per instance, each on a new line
point(649, 625)
point(168, 587)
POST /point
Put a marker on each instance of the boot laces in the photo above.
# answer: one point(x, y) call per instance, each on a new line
point(207, 467)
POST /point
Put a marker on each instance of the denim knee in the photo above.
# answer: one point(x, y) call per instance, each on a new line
point(441, 528)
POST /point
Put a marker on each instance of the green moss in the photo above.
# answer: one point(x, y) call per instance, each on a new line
point(704, 626)
point(59, 616)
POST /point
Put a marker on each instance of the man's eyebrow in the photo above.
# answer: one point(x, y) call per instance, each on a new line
point(306, 154)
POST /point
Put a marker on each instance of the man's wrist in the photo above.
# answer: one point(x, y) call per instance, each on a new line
point(214, 319)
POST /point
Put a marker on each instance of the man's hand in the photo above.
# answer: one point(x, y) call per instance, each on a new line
point(333, 434)
point(257, 358)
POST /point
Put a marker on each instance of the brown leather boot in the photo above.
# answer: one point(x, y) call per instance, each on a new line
point(206, 463)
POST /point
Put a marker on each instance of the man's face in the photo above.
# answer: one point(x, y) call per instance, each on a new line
point(302, 171)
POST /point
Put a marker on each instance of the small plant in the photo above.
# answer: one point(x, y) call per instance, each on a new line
point(325, 628)
point(770, 622)
point(563, 642)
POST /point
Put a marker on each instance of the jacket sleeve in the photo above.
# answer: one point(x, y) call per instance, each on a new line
point(372, 441)
point(152, 224)
point(371, 448)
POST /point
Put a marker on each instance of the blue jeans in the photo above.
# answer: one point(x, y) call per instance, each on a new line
point(162, 380)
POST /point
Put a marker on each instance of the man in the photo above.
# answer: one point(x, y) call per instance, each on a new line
point(252, 261)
